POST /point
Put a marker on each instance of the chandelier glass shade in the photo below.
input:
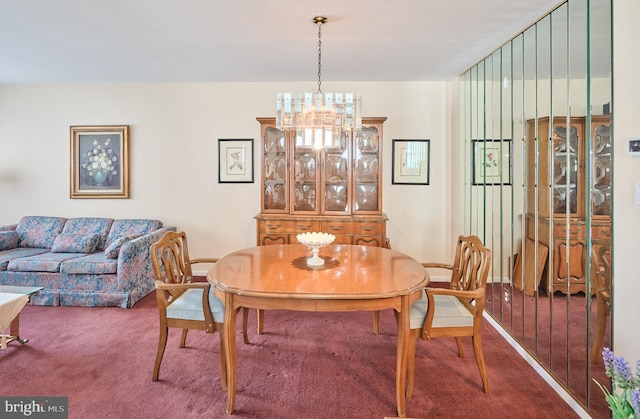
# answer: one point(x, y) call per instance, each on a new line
point(319, 119)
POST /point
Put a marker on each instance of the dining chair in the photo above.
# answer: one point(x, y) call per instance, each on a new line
point(456, 311)
point(601, 286)
point(183, 303)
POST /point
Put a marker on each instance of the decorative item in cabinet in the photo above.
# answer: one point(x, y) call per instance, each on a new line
point(563, 173)
point(601, 169)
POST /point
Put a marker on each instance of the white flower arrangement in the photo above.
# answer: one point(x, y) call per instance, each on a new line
point(100, 162)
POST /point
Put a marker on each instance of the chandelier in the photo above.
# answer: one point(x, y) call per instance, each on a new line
point(319, 119)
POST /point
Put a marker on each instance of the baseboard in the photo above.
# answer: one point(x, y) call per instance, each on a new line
point(538, 368)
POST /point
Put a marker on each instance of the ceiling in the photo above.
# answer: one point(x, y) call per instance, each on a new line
point(139, 41)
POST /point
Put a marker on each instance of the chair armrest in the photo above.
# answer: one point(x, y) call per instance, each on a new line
point(456, 293)
point(437, 265)
point(204, 260)
point(169, 287)
point(473, 300)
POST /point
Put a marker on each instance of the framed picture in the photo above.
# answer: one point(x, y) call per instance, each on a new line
point(235, 161)
point(491, 160)
point(99, 161)
point(410, 160)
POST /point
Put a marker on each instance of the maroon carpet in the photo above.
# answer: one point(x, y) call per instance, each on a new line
point(306, 365)
point(557, 344)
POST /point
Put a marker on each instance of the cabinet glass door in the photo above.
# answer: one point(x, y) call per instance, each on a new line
point(275, 194)
point(367, 170)
point(337, 194)
point(601, 170)
point(567, 160)
point(305, 176)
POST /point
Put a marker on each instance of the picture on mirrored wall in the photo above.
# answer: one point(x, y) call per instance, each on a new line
point(491, 162)
point(99, 161)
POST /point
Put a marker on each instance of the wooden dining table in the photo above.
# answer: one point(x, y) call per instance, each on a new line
point(352, 278)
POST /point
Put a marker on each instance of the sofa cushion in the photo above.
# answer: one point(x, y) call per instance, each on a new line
point(96, 263)
point(75, 243)
point(90, 225)
point(18, 252)
point(40, 232)
point(8, 240)
point(45, 262)
point(113, 249)
point(121, 228)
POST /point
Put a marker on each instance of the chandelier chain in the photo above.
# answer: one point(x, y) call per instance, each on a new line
point(319, 56)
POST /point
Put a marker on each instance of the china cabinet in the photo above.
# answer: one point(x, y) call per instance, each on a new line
point(561, 194)
point(336, 188)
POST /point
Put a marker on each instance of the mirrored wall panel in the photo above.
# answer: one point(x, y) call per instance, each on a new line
point(536, 129)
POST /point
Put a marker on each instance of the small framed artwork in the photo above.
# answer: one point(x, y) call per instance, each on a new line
point(491, 160)
point(235, 161)
point(99, 161)
point(410, 160)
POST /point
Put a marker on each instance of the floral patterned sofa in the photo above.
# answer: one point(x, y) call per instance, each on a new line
point(80, 261)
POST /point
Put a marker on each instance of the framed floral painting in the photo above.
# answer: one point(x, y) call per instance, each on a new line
point(99, 161)
point(491, 162)
point(235, 161)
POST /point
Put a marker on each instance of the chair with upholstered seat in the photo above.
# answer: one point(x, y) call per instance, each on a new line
point(456, 311)
point(601, 285)
point(183, 303)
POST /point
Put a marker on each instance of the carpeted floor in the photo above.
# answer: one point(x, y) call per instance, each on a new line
point(305, 365)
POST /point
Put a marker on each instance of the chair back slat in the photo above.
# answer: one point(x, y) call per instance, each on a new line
point(471, 264)
point(170, 260)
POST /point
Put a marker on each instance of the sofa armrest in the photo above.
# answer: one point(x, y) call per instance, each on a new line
point(9, 227)
point(134, 263)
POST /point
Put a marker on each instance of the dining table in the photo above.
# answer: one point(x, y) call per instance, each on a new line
point(352, 278)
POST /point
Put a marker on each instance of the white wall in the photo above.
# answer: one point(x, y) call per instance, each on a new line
point(626, 170)
point(173, 147)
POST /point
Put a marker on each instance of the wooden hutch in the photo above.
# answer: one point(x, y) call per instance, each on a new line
point(336, 189)
point(563, 176)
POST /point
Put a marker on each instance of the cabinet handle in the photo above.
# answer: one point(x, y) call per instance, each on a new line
point(336, 228)
point(273, 225)
point(367, 228)
point(301, 227)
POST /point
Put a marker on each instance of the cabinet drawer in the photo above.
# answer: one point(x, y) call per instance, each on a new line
point(368, 228)
point(287, 226)
point(336, 227)
point(301, 226)
point(271, 226)
point(575, 231)
point(601, 232)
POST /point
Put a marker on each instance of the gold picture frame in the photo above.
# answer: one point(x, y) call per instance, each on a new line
point(99, 161)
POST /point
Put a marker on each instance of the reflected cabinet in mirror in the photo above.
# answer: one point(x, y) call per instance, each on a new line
point(543, 100)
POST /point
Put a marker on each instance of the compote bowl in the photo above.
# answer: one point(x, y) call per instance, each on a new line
point(315, 241)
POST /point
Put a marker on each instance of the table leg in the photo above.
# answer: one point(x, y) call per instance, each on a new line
point(401, 364)
point(14, 330)
point(230, 348)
